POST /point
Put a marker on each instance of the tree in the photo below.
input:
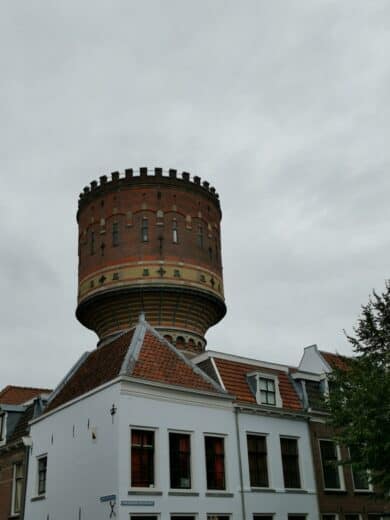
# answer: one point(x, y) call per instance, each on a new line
point(359, 397)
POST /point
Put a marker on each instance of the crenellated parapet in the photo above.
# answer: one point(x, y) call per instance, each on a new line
point(147, 177)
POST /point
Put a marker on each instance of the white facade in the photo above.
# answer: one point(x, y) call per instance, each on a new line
point(88, 457)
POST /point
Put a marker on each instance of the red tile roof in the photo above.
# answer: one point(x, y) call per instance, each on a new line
point(141, 353)
point(20, 394)
point(158, 362)
point(334, 360)
point(101, 366)
point(234, 377)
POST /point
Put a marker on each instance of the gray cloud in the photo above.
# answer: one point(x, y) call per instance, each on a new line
point(284, 107)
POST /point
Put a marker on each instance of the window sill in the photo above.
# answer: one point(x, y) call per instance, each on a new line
point(219, 494)
point(262, 490)
point(363, 491)
point(179, 493)
point(298, 490)
point(39, 497)
point(145, 492)
point(335, 491)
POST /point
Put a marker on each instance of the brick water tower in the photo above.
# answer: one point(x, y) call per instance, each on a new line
point(150, 241)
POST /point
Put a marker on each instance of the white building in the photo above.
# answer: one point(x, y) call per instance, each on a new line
point(137, 431)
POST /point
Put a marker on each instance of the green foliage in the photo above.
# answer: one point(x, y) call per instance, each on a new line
point(359, 400)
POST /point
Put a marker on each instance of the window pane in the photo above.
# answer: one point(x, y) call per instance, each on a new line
point(115, 234)
point(329, 517)
point(257, 457)
point(290, 462)
point(215, 462)
point(180, 460)
point(263, 517)
point(42, 465)
point(352, 516)
point(142, 458)
point(330, 468)
point(218, 517)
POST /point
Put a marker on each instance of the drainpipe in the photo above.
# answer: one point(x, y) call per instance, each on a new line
point(236, 412)
point(27, 446)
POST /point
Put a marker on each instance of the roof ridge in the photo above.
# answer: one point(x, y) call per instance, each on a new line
point(187, 361)
point(134, 348)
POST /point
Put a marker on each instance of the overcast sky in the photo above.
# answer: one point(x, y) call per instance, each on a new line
point(283, 105)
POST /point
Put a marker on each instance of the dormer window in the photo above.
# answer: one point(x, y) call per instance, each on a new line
point(265, 387)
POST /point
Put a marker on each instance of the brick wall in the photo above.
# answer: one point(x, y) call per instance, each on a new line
point(347, 500)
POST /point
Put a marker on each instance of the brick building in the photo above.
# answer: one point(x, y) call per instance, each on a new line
point(18, 405)
point(343, 494)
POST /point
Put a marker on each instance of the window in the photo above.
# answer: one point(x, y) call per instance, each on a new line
point(360, 478)
point(142, 458)
point(290, 462)
point(263, 517)
point(257, 457)
point(296, 517)
point(144, 230)
point(92, 243)
point(17, 488)
point(144, 517)
point(180, 460)
point(218, 517)
point(267, 391)
point(200, 236)
point(115, 234)
point(215, 462)
point(182, 517)
point(175, 232)
point(265, 387)
point(42, 470)
point(329, 516)
point(352, 516)
point(330, 470)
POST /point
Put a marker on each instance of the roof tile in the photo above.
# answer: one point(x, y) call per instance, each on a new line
point(234, 377)
point(20, 394)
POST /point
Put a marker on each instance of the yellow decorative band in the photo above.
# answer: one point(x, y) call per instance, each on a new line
point(150, 273)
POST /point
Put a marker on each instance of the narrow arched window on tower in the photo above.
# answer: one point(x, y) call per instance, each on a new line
point(200, 236)
point(144, 230)
point(175, 232)
point(92, 243)
point(115, 234)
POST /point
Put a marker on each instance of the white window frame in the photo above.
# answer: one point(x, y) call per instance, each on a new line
point(275, 379)
point(39, 457)
point(13, 495)
point(225, 464)
point(339, 468)
point(184, 490)
point(259, 434)
point(155, 487)
point(300, 463)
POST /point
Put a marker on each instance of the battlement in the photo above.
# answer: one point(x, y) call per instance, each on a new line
point(147, 177)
